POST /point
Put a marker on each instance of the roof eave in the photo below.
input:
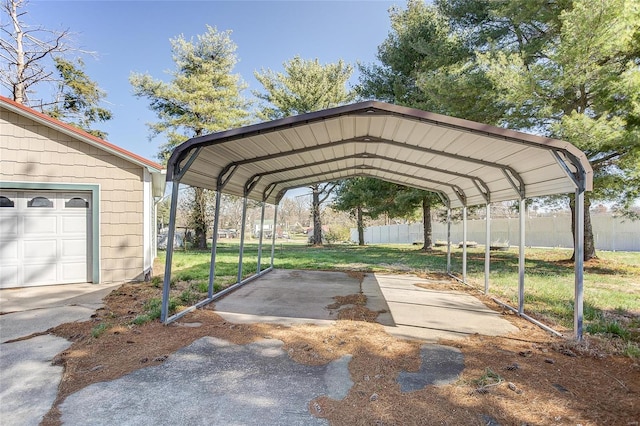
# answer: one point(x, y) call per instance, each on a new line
point(79, 134)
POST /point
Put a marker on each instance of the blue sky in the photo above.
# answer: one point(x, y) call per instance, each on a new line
point(133, 36)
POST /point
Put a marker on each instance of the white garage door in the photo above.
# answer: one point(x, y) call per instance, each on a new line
point(44, 238)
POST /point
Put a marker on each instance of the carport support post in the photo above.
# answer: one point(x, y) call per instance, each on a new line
point(448, 240)
point(579, 264)
point(242, 231)
point(275, 229)
point(164, 311)
point(214, 244)
point(464, 244)
point(487, 247)
point(521, 259)
point(261, 233)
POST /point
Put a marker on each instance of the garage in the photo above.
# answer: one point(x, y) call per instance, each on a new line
point(46, 238)
point(73, 207)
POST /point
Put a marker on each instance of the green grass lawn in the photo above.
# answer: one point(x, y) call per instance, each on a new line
point(611, 283)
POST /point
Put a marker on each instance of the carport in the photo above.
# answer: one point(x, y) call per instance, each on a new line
point(464, 162)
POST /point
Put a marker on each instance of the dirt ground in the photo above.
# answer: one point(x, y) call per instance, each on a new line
point(527, 378)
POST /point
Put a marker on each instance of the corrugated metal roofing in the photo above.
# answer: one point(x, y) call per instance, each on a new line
point(467, 162)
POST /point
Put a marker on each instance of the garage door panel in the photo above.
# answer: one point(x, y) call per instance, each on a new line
point(74, 225)
point(8, 226)
point(9, 275)
point(74, 248)
point(38, 251)
point(35, 225)
point(39, 273)
point(44, 238)
point(74, 272)
point(8, 251)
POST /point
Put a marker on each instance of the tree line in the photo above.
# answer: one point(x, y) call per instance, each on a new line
point(568, 69)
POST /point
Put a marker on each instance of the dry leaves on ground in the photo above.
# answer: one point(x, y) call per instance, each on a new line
point(529, 377)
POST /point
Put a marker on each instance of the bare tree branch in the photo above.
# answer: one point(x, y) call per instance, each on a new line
point(26, 50)
point(327, 190)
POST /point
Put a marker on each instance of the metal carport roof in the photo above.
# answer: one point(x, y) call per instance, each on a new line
point(468, 162)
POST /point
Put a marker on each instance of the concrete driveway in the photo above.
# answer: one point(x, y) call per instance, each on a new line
point(292, 297)
point(29, 383)
point(213, 381)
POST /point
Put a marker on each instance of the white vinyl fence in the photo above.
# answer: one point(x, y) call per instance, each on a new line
point(610, 233)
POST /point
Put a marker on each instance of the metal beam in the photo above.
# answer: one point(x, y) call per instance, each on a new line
point(578, 307)
point(242, 232)
point(225, 176)
point(182, 170)
point(448, 240)
point(527, 317)
point(517, 186)
point(164, 310)
point(268, 191)
point(579, 176)
point(280, 196)
point(443, 197)
point(445, 200)
point(214, 243)
point(456, 189)
point(461, 195)
point(464, 244)
point(261, 236)
point(216, 296)
point(521, 258)
point(271, 188)
point(373, 140)
point(275, 229)
point(482, 187)
point(251, 184)
point(487, 248)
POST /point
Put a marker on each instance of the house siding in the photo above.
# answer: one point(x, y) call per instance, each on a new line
point(30, 152)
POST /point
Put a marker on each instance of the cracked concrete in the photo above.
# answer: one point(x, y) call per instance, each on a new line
point(29, 381)
point(213, 381)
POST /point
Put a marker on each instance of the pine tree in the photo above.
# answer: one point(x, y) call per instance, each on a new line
point(203, 96)
point(79, 98)
point(305, 86)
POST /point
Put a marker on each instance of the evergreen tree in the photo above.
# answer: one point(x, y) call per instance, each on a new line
point(423, 65)
point(203, 96)
point(78, 98)
point(569, 70)
point(566, 69)
point(363, 198)
point(305, 86)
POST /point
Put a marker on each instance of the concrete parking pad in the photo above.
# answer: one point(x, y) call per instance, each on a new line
point(429, 315)
point(407, 311)
point(213, 382)
point(288, 297)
